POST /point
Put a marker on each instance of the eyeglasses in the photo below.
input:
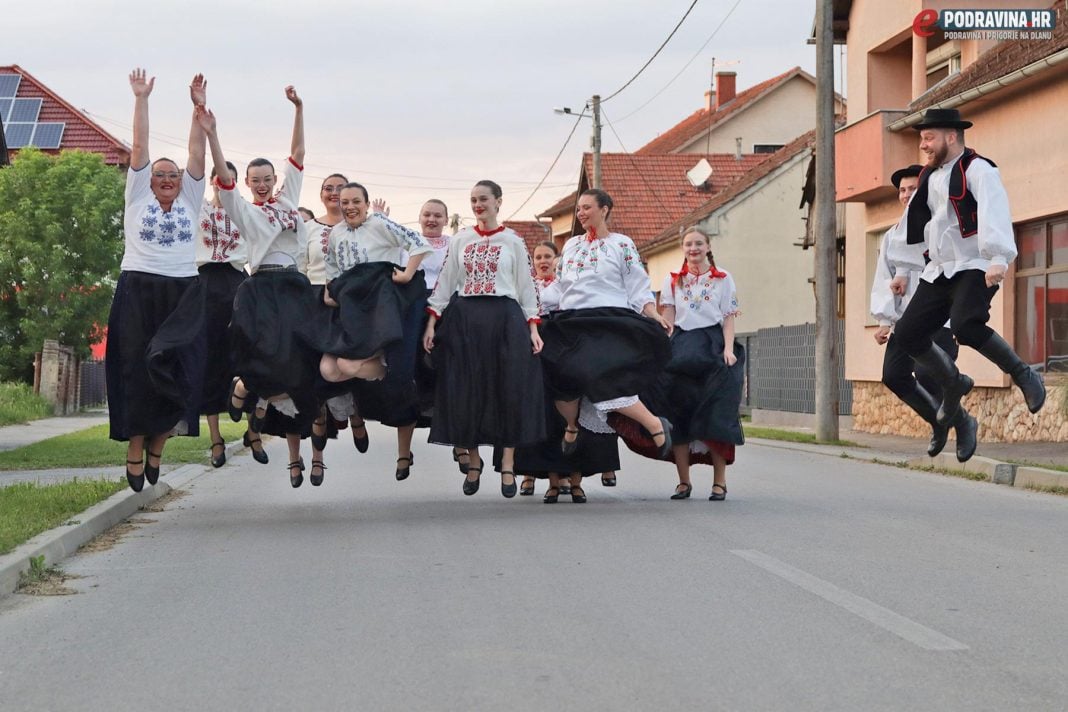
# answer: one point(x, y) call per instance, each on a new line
point(160, 174)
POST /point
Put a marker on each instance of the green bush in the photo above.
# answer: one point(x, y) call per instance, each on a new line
point(19, 404)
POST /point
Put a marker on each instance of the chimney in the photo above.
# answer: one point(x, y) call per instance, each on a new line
point(710, 100)
point(724, 87)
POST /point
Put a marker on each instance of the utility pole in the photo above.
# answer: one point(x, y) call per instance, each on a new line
point(595, 141)
point(825, 232)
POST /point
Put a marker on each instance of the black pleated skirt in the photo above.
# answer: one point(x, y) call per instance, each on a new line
point(487, 376)
point(274, 331)
point(602, 353)
point(219, 283)
point(155, 355)
point(698, 393)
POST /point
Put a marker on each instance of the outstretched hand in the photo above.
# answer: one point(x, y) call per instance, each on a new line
point(206, 119)
point(141, 85)
point(291, 94)
point(198, 90)
point(379, 206)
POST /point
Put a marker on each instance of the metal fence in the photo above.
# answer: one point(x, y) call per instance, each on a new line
point(92, 386)
point(781, 370)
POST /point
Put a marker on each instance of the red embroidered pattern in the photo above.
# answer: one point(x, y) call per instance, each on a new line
point(481, 262)
point(219, 234)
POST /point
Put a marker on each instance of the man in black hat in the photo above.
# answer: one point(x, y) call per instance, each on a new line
point(897, 276)
point(961, 213)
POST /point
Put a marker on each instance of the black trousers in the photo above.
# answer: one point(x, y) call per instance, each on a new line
point(964, 299)
point(901, 373)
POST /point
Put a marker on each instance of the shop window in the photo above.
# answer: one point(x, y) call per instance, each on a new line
point(1042, 294)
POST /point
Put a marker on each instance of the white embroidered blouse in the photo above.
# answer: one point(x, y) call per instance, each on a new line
point(271, 227)
point(602, 272)
point(318, 236)
point(160, 242)
point(493, 265)
point(219, 239)
point(700, 300)
point(377, 239)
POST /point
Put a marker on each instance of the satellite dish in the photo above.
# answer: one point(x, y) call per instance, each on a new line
point(699, 174)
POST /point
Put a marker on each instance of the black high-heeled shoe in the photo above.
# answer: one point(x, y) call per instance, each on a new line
point(137, 482)
point(220, 460)
point(318, 441)
point(471, 487)
point(152, 471)
point(299, 479)
point(462, 465)
point(685, 493)
point(552, 495)
point(527, 488)
point(578, 495)
point(403, 472)
point(362, 442)
point(260, 455)
point(665, 430)
point(717, 497)
point(569, 446)
point(315, 479)
point(508, 490)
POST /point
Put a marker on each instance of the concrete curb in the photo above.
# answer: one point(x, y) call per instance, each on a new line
point(998, 472)
point(59, 543)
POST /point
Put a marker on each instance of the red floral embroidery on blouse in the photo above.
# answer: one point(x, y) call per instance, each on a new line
point(481, 262)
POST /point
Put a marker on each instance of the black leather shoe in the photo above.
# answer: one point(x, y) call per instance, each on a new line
point(137, 482)
point(471, 487)
point(552, 495)
point(1032, 387)
point(299, 479)
point(718, 496)
point(403, 472)
point(684, 493)
point(508, 490)
point(665, 430)
point(235, 411)
point(608, 481)
point(966, 429)
point(1034, 390)
point(260, 455)
point(317, 479)
point(578, 496)
point(456, 458)
point(318, 441)
point(152, 471)
point(939, 435)
point(220, 459)
point(362, 442)
point(569, 446)
point(527, 488)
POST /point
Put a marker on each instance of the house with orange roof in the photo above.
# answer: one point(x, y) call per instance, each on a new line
point(34, 115)
point(532, 232)
point(758, 120)
point(1014, 91)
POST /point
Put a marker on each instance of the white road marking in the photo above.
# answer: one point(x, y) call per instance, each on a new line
point(886, 619)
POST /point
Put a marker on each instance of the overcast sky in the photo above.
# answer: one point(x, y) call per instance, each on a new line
point(415, 99)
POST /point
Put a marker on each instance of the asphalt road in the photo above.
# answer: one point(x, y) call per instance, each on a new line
point(821, 584)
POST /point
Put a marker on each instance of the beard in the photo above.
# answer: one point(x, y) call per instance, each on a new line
point(937, 158)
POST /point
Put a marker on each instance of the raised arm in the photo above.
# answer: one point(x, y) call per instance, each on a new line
point(198, 93)
point(205, 119)
point(141, 87)
point(296, 147)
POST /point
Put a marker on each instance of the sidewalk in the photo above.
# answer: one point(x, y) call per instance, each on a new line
point(13, 436)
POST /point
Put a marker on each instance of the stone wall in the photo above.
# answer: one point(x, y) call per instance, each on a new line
point(1001, 412)
point(58, 377)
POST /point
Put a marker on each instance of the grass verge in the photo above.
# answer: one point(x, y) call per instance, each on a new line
point(27, 508)
point(92, 448)
point(19, 404)
point(792, 436)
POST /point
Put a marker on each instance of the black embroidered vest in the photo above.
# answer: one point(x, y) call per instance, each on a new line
point(960, 199)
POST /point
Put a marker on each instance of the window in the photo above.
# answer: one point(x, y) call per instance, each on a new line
point(766, 147)
point(1042, 293)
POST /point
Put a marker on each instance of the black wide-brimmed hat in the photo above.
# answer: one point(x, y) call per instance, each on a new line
point(942, 119)
point(908, 172)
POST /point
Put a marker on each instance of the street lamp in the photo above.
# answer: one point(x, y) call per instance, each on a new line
point(595, 140)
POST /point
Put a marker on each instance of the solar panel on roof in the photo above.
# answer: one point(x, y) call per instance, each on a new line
point(48, 135)
point(18, 135)
point(5, 106)
point(9, 85)
point(25, 110)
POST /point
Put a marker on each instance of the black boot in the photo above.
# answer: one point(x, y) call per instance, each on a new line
point(998, 350)
point(955, 385)
point(927, 408)
point(966, 428)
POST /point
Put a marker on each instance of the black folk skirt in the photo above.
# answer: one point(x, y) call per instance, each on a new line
point(372, 311)
point(274, 331)
point(602, 353)
point(155, 355)
point(219, 282)
point(488, 376)
point(698, 393)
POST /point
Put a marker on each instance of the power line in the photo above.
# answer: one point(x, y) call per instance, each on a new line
point(555, 160)
point(685, 66)
point(630, 157)
point(664, 44)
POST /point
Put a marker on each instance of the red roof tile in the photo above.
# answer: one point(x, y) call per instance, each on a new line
point(80, 131)
point(698, 122)
point(531, 231)
point(1004, 58)
point(650, 191)
point(750, 178)
point(564, 205)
